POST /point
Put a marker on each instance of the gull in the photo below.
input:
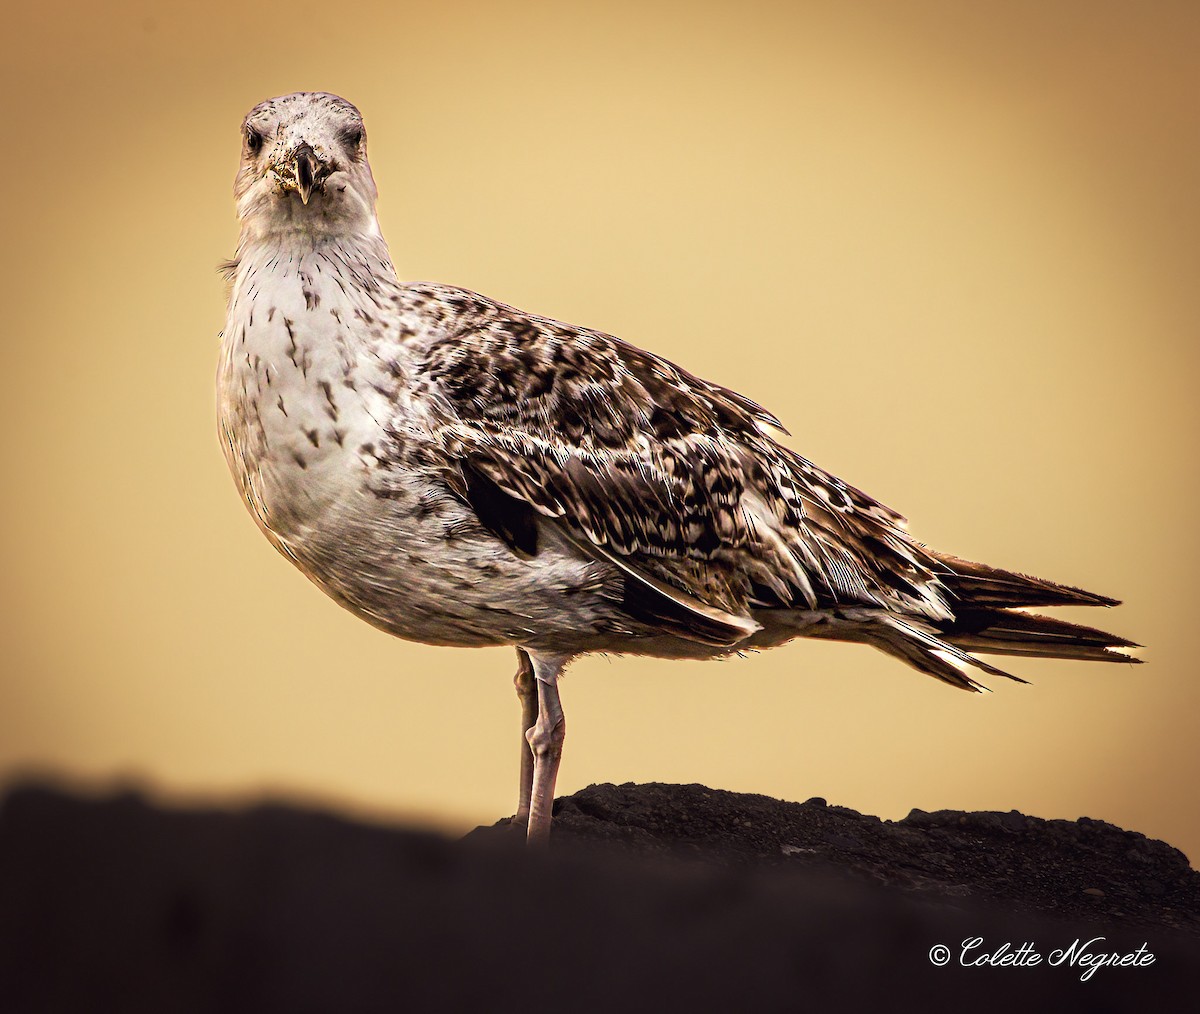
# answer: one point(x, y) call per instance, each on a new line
point(458, 472)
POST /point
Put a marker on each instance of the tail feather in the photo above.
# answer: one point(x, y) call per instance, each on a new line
point(1005, 632)
point(927, 661)
point(911, 641)
point(977, 584)
point(942, 649)
point(989, 617)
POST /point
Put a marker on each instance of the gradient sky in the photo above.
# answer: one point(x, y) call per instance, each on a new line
point(952, 246)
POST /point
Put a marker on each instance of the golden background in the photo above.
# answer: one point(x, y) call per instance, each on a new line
point(953, 246)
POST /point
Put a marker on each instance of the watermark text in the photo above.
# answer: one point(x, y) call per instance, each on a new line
point(1086, 956)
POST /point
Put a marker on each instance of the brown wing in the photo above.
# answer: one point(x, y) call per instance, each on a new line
point(674, 479)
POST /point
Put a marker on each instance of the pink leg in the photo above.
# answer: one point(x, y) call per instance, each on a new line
point(545, 742)
point(525, 682)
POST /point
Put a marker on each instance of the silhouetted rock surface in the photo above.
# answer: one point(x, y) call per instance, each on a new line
point(1069, 868)
point(652, 898)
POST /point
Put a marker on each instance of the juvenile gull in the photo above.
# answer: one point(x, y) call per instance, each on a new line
point(459, 472)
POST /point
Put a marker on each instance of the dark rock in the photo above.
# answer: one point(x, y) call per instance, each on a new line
point(1028, 864)
point(651, 898)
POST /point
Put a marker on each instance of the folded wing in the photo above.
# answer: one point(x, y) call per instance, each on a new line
point(676, 481)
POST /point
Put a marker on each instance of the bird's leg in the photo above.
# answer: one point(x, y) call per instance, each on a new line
point(525, 682)
point(545, 742)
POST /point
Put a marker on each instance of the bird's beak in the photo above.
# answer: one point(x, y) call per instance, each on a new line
point(305, 165)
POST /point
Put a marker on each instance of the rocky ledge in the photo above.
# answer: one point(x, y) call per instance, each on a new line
point(651, 898)
point(1077, 869)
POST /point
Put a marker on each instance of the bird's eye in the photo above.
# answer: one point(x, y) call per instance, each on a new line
point(254, 140)
point(353, 136)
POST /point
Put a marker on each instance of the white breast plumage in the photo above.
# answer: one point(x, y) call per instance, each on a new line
point(293, 390)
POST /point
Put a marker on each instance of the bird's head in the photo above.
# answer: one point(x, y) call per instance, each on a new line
point(304, 168)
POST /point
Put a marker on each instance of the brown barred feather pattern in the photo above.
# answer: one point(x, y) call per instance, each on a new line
point(679, 477)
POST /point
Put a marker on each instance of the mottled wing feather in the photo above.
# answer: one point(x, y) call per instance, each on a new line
point(676, 478)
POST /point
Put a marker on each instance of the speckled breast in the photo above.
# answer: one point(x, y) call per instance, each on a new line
point(310, 416)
